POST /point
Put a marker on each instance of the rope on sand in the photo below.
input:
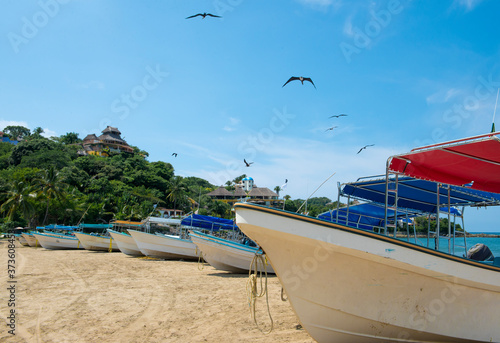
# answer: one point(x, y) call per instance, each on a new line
point(110, 244)
point(256, 271)
point(201, 260)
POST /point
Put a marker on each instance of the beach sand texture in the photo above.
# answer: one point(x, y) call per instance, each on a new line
point(85, 296)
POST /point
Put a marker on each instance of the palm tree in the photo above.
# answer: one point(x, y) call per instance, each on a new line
point(277, 189)
point(50, 186)
point(177, 190)
point(18, 197)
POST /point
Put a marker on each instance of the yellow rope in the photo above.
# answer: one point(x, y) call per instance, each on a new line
point(78, 245)
point(257, 268)
point(283, 295)
point(110, 244)
point(201, 260)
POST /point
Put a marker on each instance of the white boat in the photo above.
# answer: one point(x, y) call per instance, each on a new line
point(57, 241)
point(97, 243)
point(126, 243)
point(164, 246)
point(347, 284)
point(224, 254)
point(32, 241)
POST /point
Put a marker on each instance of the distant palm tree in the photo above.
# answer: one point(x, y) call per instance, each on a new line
point(177, 190)
point(277, 189)
point(19, 196)
point(50, 186)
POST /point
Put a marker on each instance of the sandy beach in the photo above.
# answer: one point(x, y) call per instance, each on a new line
point(85, 296)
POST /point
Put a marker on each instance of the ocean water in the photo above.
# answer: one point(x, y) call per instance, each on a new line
point(491, 242)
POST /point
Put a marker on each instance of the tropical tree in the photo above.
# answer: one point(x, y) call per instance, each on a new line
point(18, 197)
point(16, 132)
point(277, 189)
point(70, 138)
point(50, 186)
point(177, 190)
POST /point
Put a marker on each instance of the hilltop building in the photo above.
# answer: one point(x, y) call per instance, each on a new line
point(109, 141)
point(5, 139)
point(248, 191)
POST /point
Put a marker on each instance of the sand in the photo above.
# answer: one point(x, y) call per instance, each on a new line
point(85, 296)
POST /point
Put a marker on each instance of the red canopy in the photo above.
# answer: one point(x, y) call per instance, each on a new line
point(473, 160)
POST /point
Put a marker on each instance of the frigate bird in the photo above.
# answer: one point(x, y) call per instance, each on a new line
point(247, 163)
point(301, 79)
point(366, 146)
point(174, 154)
point(331, 128)
point(203, 15)
point(338, 116)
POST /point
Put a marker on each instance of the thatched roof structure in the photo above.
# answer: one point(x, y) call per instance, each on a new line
point(220, 192)
point(262, 192)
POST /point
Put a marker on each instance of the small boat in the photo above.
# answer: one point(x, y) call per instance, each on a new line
point(164, 246)
point(57, 241)
point(126, 243)
point(32, 241)
point(350, 284)
point(225, 254)
point(22, 240)
point(97, 242)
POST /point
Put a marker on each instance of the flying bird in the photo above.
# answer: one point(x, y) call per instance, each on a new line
point(331, 128)
point(366, 146)
point(339, 115)
point(301, 79)
point(174, 154)
point(203, 15)
point(247, 163)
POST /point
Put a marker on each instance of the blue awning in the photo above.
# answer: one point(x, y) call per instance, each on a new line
point(418, 194)
point(362, 216)
point(209, 222)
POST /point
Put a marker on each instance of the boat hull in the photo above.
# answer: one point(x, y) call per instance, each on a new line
point(126, 243)
point(32, 241)
point(22, 240)
point(96, 243)
point(225, 255)
point(349, 285)
point(164, 247)
point(57, 242)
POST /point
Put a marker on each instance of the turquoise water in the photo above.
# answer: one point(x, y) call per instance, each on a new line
point(492, 242)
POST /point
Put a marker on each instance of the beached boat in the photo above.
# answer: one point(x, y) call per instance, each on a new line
point(225, 254)
point(348, 284)
point(57, 241)
point(164, 246)
point(126, 243)
point(97, 242)
point(20, 238)
point(32, 241)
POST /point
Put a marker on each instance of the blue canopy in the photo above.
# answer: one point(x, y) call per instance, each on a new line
point(362, 216)
point(60, 227)
point(418, 194)
point(208, 222)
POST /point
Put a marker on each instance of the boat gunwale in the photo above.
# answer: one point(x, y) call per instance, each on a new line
point(366, 233)
point(222, 241)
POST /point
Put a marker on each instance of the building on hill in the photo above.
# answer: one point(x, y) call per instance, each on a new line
point(246, 190)
point(109, 141)
point(6, 139)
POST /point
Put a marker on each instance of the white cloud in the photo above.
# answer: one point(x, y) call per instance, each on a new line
point(321, 4)
point(48, 133)
point(5, 123)
point(468, 4)
point(442, 96)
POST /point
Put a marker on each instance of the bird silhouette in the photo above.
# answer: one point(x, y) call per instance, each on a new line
point(301, 79)
point(174, 154)
point(247, 163)
point(339, 115)
point(331, 128)
point(203, 15)
point(366, 146)
point(286, 180)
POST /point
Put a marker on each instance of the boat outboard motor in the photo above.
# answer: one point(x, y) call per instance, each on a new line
point(480, 252)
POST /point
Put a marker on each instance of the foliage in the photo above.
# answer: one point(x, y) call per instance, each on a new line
point(16, 132)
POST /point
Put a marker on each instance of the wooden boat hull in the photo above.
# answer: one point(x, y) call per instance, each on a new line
point(225, 255)
point(350, 285)
point(96, 243)
point(164, 247)
point(126, 243)
point(57, 242)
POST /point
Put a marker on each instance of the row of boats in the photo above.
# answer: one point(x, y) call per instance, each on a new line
point(348, 274)
point(191, 238)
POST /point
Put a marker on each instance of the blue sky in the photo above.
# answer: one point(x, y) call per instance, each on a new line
point(407, 73)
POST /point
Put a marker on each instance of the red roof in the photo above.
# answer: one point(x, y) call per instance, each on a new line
point(457, 162)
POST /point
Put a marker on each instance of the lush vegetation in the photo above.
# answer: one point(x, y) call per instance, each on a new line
point(45, 181)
